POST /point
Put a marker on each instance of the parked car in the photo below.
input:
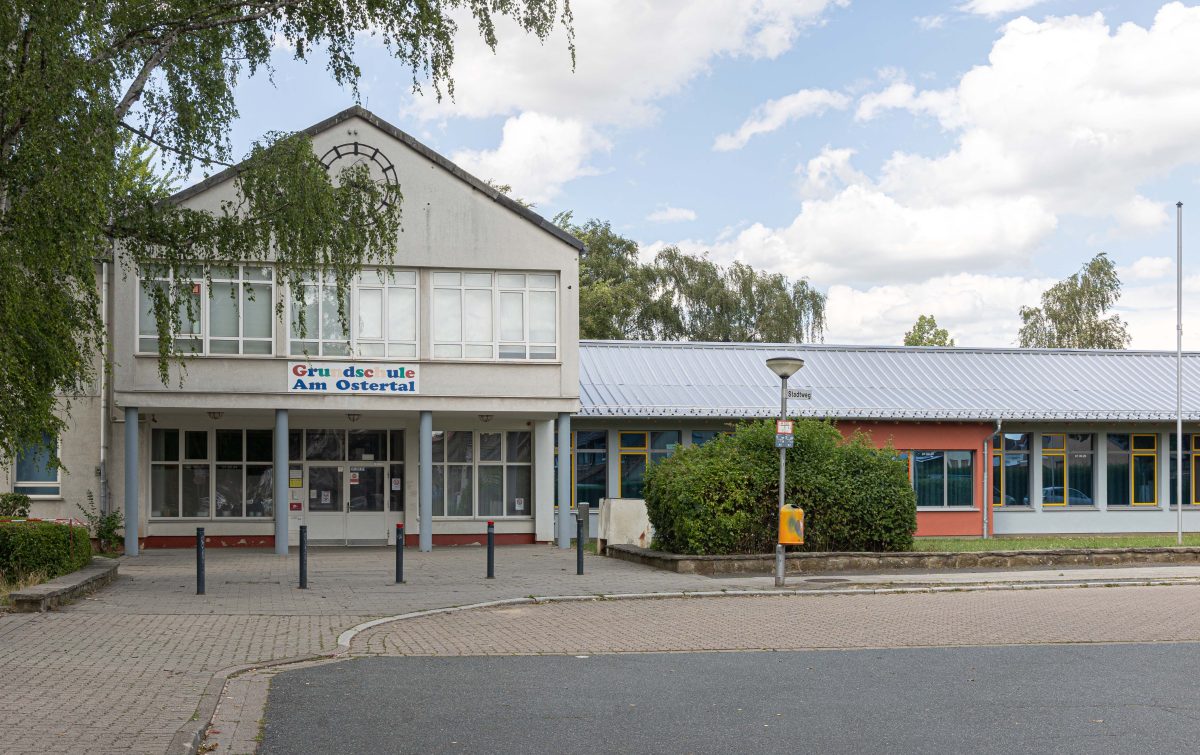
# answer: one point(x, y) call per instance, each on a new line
point(1075, 497)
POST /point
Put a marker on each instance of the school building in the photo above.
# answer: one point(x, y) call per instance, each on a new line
point(445, 403)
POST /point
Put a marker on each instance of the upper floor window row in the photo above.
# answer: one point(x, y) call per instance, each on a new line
point(473, 315)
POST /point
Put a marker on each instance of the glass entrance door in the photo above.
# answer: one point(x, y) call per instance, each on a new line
point(366, 515)
point(326, 518)
point(347, 504)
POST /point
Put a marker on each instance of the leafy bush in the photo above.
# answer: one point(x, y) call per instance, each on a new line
point(14, 505)
point(722, 497)
point(47, 547)
point(104, 527)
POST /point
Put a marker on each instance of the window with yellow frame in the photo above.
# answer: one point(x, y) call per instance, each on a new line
point(589, 467)
point(1010, 469)
point(1191, 455)
point(1132, 473)
point(1067, 469)
point(637, 451)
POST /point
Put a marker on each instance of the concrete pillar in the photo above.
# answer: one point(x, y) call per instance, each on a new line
point(565, 521)
point(131, 481)
point(543, 480)
point(425, 475)
point(281, 493)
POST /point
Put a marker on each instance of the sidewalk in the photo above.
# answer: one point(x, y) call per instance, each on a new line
point(125, 669)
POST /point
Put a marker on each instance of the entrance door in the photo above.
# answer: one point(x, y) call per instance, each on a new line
point(347, 504)
point(326, 515)
point(366, 517)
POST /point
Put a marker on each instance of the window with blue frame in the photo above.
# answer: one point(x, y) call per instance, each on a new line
point(35, 473)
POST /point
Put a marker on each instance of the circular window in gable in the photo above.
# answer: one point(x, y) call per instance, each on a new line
point(343, 156)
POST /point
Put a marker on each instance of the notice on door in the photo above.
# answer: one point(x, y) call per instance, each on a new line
point(325, 497)
point(397, 483)
point(394, 379)
point(354, 478)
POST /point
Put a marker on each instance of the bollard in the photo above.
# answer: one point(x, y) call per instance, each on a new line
point(491, 574)
point(304, 557)
point(579, 514)
point(399, 553)
point(199, 560)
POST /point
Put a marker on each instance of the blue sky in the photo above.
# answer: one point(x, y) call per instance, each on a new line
point(951, 158)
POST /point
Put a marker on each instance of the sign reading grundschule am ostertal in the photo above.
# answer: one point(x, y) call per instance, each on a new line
point(353, 378)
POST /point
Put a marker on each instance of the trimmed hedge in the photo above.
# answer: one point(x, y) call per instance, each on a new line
point(722, 497)
point(32, 547)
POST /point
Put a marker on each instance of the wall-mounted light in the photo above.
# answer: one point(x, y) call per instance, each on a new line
point(353, 416)
point(485, 418)
point(216, 415)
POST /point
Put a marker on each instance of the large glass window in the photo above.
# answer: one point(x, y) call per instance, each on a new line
point(1189, 459)
point(381, 309)
point(1067, 469)
point(591, 467)
point(236, 317)
point(484, 474)
point(1010, 468)
point(943, 478)
point(35, 473)
point(637, 451)
point(484, 315)
point(233, 479)
point(1132, 469)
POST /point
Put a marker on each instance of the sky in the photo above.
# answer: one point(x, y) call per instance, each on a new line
point(945, 157)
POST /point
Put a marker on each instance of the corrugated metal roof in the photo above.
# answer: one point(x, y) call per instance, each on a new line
point(731, 380)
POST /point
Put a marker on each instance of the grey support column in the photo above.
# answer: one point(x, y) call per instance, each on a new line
point(281, 494)
point(565, 523)
point(131, 481)
point(425, 476)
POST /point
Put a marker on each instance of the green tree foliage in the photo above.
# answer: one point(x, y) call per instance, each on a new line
point(925, 332)
point(722, 497)
point(1072, 311)
point(79, 79)
point(681, 296)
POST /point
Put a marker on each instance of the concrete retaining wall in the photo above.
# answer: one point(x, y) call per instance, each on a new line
point(811, 563)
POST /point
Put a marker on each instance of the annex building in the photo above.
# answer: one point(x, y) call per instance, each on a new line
point(461, 389)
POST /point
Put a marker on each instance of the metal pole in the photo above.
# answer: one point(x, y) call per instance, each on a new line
point(1179, 372)
point(779, 560)
point(579, 514)
point(491, 572)
point(199, 560)
point(131, 481)
point(280, 492)
point(399, 553)
point(304, 557)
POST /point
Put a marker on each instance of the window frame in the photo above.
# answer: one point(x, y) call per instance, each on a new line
point(496, 289)
point(382, 279)
point(1134, 454)
point(908, 455)
point(212, 463)
point(202, 280)
point(1063, 453)
point(474, 465)
point(998, 470)
point(18, 483)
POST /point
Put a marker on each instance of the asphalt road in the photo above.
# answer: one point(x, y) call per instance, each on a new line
point(1135, 698)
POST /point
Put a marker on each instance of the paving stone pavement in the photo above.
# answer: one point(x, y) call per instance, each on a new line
point(800, 622)
point(124, 670)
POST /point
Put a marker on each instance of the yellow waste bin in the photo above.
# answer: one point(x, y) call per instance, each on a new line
point(791, 525)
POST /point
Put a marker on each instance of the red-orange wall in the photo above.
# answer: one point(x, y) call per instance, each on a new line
point(936, 436)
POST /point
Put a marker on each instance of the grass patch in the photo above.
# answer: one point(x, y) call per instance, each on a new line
point(29, 580)
point(1044, 542)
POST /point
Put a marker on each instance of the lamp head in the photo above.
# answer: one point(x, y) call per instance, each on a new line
point(785, 367)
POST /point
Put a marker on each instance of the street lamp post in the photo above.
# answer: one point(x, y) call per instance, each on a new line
point(784, 367)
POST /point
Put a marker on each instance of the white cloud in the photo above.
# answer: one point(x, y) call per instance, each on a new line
point(978, 310)
point(929, 23)
point(1147, 268)
point(997, 8)
point(537, 155)
point(1068, 118)
point(774, 114)
point(671, 215)
point(629, 54)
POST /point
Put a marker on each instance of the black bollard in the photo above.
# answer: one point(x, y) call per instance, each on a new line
point(199, 560)
point(304, 557)
point(491, 550)
point(399, 553)
point(579, 514)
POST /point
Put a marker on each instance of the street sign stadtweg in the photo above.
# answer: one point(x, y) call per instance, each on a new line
point(800, 394)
